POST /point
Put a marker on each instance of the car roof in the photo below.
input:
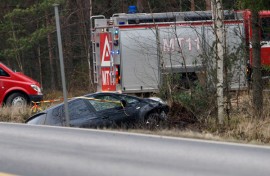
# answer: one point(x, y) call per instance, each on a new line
point(103, 93)
point(109, 93)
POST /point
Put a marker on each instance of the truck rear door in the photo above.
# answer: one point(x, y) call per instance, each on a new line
point(139, 60)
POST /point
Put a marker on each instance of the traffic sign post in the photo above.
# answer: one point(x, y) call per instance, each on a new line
point(61, 61)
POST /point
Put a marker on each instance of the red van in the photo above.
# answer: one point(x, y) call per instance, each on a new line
point(17, 89)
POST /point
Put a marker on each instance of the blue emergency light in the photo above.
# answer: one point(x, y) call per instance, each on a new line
point(132, 9)
point(115, 52)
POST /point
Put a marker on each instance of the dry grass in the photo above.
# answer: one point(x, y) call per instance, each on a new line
point(15, 114)
point(250, 130)
point(240, 127)
point(175, 132)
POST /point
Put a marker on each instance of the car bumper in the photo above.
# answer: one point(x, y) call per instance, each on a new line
point(35, 98)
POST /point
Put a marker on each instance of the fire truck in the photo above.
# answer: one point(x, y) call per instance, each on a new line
point(132, 53)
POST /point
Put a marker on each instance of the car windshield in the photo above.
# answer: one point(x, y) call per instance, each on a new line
point(129, 99)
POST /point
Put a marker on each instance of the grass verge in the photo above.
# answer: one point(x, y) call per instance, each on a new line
point(15, 114)
point(240, 126)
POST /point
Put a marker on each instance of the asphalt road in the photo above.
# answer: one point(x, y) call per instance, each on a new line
point(35, 150)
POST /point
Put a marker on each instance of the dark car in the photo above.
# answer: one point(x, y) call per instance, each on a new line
point(104, 110)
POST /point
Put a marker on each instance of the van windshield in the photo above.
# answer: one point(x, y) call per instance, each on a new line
point(5, 68)
point(3, 73)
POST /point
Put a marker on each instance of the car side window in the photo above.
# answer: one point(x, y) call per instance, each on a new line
point(57, 116)
point(3, 73)
point(108, 103)
point(78, 109)
point(129, 99)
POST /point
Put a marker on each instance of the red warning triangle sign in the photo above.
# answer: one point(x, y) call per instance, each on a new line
point(105, 49)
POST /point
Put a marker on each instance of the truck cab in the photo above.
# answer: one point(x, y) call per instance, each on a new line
point(17, 89)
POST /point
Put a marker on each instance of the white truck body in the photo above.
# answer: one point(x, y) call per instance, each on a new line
point(144, 47)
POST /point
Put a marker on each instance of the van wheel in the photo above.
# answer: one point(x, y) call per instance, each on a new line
point(17, 99)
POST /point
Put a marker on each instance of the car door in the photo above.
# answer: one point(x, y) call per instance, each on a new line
point(80, 115)
point(132, 107)
point(109, 107)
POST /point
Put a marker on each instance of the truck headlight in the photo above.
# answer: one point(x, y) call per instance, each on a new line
point(36, 88)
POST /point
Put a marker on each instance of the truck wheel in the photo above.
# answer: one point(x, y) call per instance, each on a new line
point(16, 99)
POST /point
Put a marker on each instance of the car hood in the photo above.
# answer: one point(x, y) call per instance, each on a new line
point(155, 100)
point(22, 77)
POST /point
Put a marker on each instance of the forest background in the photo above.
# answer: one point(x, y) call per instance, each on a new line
point(29, 41)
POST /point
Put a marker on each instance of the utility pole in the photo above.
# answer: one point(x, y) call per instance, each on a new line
point(219, 33)
point(61, 62)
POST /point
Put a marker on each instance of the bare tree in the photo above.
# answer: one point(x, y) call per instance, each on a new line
point(207, 4)
point(257, 74)
point(50, 48)
point(255, 7)
point(140, 5)
point(192, 5)
point(219, 32)
point(91, 83)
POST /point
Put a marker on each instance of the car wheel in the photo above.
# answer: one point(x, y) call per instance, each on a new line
point(17, 99)
point(152, 121)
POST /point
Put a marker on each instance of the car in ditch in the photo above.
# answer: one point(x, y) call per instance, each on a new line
point(105, 110)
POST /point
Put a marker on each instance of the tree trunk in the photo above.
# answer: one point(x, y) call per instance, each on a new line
point(256, 65)
point(16, 50)
point(140, 6)
point(85, 39)
point(207, 4)
point(68, 42)
point(219, 31)
point(40, 66)
point(49, 40)
point(192, 5)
